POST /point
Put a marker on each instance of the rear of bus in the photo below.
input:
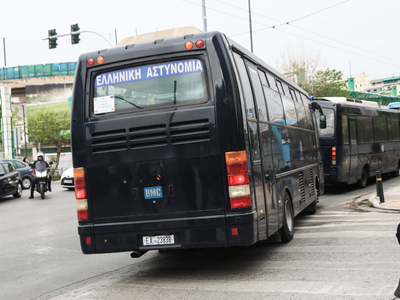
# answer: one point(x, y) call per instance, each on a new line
point(155, 130)
point(328, 139)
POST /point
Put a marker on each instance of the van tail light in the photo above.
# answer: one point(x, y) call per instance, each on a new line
point(238, 179)
point(333, 155)
point(80, 194)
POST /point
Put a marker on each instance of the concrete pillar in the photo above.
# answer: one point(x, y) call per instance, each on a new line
point(6, 121)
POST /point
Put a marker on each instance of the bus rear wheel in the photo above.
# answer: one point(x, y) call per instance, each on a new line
point(362, 182)
point(287, 230)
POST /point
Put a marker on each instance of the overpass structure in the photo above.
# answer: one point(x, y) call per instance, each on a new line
point(22, 87)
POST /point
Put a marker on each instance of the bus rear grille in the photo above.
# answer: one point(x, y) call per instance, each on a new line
point(190, 132)
point(148, 136)
point(301, 186)
point(312, 184)
point(110, 148)
point(109, 141)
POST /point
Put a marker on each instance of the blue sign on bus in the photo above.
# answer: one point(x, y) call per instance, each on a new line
point(149, 72)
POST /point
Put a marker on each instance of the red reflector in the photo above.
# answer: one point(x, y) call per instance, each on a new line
point(80, 193)
point(80, 183)
point(90, 62)
point(239, 202)
point(88, 241)
point(238, 179)
point(83, 215)
point(199, 44)
point(236, 168)
point(234, 231)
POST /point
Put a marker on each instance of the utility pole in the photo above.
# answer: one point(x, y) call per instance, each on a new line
point(251, 30)
point(4, 49)
point(204, 15)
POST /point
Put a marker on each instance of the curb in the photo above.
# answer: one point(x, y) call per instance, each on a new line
point(374, 200)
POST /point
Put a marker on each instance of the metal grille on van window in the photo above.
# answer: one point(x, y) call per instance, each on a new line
point(148, 136)
point(301, 186)
point(312, 184)
point(109, 141)
point(190, 131)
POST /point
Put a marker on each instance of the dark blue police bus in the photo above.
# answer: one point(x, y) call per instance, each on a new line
point(359, 139)
point(189, 142)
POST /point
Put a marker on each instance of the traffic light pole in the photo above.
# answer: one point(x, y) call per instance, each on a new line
point(78, 32)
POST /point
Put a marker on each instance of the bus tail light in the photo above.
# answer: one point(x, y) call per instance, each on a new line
point(333, 155)
point(80, 194)
point(238, 179)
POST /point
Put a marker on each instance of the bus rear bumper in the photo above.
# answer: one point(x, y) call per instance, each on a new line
point(203, 232)
point(334, 176)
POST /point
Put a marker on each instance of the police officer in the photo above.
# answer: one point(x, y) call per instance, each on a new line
point(33, 166)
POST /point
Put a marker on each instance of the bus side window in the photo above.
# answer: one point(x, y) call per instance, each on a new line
point(288, 107)
point(280, 87)
point(263, 78)
point(286, 91)
point(301, 113)
point(393, 129)
point(250, 106)
point(380, 129)
point(345, 130)
point(271, 81)
point(306, 104)
point(364, 129)
point(274, 103)
point(258, 94)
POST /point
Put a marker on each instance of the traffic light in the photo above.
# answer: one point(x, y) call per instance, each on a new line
point(75, 36)
point(52, 41)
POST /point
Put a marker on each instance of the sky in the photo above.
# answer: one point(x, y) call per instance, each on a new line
point(352, 36)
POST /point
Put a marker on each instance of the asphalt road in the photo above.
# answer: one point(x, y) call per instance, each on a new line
point(341, 252)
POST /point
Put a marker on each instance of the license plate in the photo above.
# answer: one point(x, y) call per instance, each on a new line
point(158, 240)
point(67, 180)
point(153, 192)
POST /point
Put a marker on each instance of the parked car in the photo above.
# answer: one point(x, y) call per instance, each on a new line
point(67, 179)
point(10, 180)
point(24, 169)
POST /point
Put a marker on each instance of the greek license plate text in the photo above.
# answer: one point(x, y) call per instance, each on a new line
point(158, 240)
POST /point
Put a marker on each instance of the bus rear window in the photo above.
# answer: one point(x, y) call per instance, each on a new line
point(167, 84)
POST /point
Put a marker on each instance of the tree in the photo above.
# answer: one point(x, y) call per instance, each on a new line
point(327, 83)
point(306, 69)
point(300, 64)
point(50, 128)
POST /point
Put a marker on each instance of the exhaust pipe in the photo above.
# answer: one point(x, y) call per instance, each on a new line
point(137, 254)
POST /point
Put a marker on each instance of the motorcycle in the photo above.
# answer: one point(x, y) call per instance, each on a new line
point(41, 177)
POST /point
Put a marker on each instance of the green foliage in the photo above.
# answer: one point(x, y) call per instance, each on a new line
point(50, 128)
point(326, 83)
point(58, 106)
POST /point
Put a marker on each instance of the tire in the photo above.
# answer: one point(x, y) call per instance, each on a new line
point(287, 230)
point(41, 189)
point(362, 182)
point(26, 183)
point(18, 192)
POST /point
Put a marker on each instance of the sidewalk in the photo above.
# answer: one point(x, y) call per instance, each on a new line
point(391, 197)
